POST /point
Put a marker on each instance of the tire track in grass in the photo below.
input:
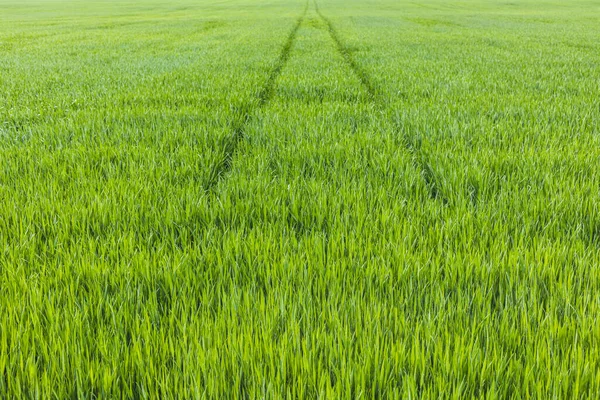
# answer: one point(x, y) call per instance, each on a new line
point(418, 158)
point(364, 78)
point(243, 114)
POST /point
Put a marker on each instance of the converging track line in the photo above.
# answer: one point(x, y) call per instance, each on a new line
point(418, 158)
point(364, 78)
point(244, 114)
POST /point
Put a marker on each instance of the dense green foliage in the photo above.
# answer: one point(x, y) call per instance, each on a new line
point(333, 199)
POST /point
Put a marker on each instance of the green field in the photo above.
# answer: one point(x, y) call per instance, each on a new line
point(289, 199)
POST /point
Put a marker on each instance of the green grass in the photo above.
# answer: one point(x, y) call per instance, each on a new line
point(289, 199)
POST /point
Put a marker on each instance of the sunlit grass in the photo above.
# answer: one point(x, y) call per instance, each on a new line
point(242, 199)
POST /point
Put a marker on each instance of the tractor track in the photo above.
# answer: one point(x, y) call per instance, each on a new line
point(418, 158)
point(244, 113)
point(364, 78)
